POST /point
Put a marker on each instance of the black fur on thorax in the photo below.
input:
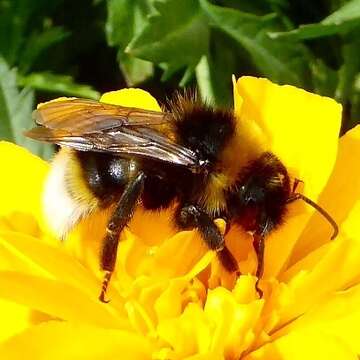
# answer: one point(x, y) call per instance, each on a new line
point(202, 128)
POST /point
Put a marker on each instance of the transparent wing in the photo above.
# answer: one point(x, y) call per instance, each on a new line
point(88, 125)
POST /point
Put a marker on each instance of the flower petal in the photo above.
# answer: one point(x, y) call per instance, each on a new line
point(137, 98)
point(299, 127)
point(233, 322)
point(340, 198)
point(305, 344)
point(21, 181)
point(302, 130)
point(174, 257)
point(26, 254)
point(321, 279)
point(58, 299)
point(188, 334)
point(15, 318)
point(59, 340)
point(338, 314)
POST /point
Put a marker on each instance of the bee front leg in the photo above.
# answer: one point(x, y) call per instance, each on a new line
point(259, 249)
point(262, 231)
point(191, 216)
point(117, 222)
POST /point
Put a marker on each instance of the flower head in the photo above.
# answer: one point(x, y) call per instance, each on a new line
point(170, 298)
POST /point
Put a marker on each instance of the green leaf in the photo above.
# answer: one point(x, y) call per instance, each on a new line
point(15, 111)
point(37, 44)
point(177, 35)
point(341, 21)
point(204, 80)
point(17, 19)
point(7, 93)
point(126, 18)
point(213, 75)
point(61, 84)
point(14, 15)
point(350, 67)
point(135, 70)
point(325, 79)
point(187, 75)
point(282, 62)
point(355, 106)
point(169, 70)
point(15, 106)
point(347, 92)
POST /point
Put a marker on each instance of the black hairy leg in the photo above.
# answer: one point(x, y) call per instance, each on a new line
point(259, 245)
point(228, 261)
point(190, 216)
point(260, 234)
point(117, 222)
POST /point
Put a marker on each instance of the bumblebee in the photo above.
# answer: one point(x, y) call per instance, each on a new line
point(193, 157)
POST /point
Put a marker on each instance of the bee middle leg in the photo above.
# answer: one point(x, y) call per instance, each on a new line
point(191, 216)
point(117, 222)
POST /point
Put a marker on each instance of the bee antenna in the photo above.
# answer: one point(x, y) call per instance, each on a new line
point(326, 215)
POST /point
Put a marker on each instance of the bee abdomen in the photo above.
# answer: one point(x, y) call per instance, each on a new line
point(66, 198)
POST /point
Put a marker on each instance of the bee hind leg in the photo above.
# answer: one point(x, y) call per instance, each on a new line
point(117, 222)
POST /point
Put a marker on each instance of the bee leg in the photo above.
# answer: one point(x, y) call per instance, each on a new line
point(190, 216)
point(263, 229)
point(228, 261)
point(259, 249)
point(117, 222)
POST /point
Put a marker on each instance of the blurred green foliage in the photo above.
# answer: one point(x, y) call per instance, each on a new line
point(82, 48)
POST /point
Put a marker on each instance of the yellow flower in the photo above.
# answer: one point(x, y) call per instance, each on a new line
point(170, 299)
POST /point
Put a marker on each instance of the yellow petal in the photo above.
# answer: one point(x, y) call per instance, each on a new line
point(23, 253)
point(59, 341)
point(169, 303)
point(131, 98)
point(304, 344)
point(233, 322)
point(340, 198)
point(21, 222)
point(336, 270)
point(206, 356)
point(174, 257)
point(302, 130)
point(338, 314)
point(58, 299)
point(21, 181)
point(145, 224)
point(14, 319)
point(13, 259)
point(139, 319)
point(177, 255)
point(61, 98)
point(188, 334)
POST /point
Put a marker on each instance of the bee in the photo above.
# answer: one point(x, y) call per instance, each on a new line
point(193, 158)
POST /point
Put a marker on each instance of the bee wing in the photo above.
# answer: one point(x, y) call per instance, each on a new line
point(85, 115)
point(88, 125)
